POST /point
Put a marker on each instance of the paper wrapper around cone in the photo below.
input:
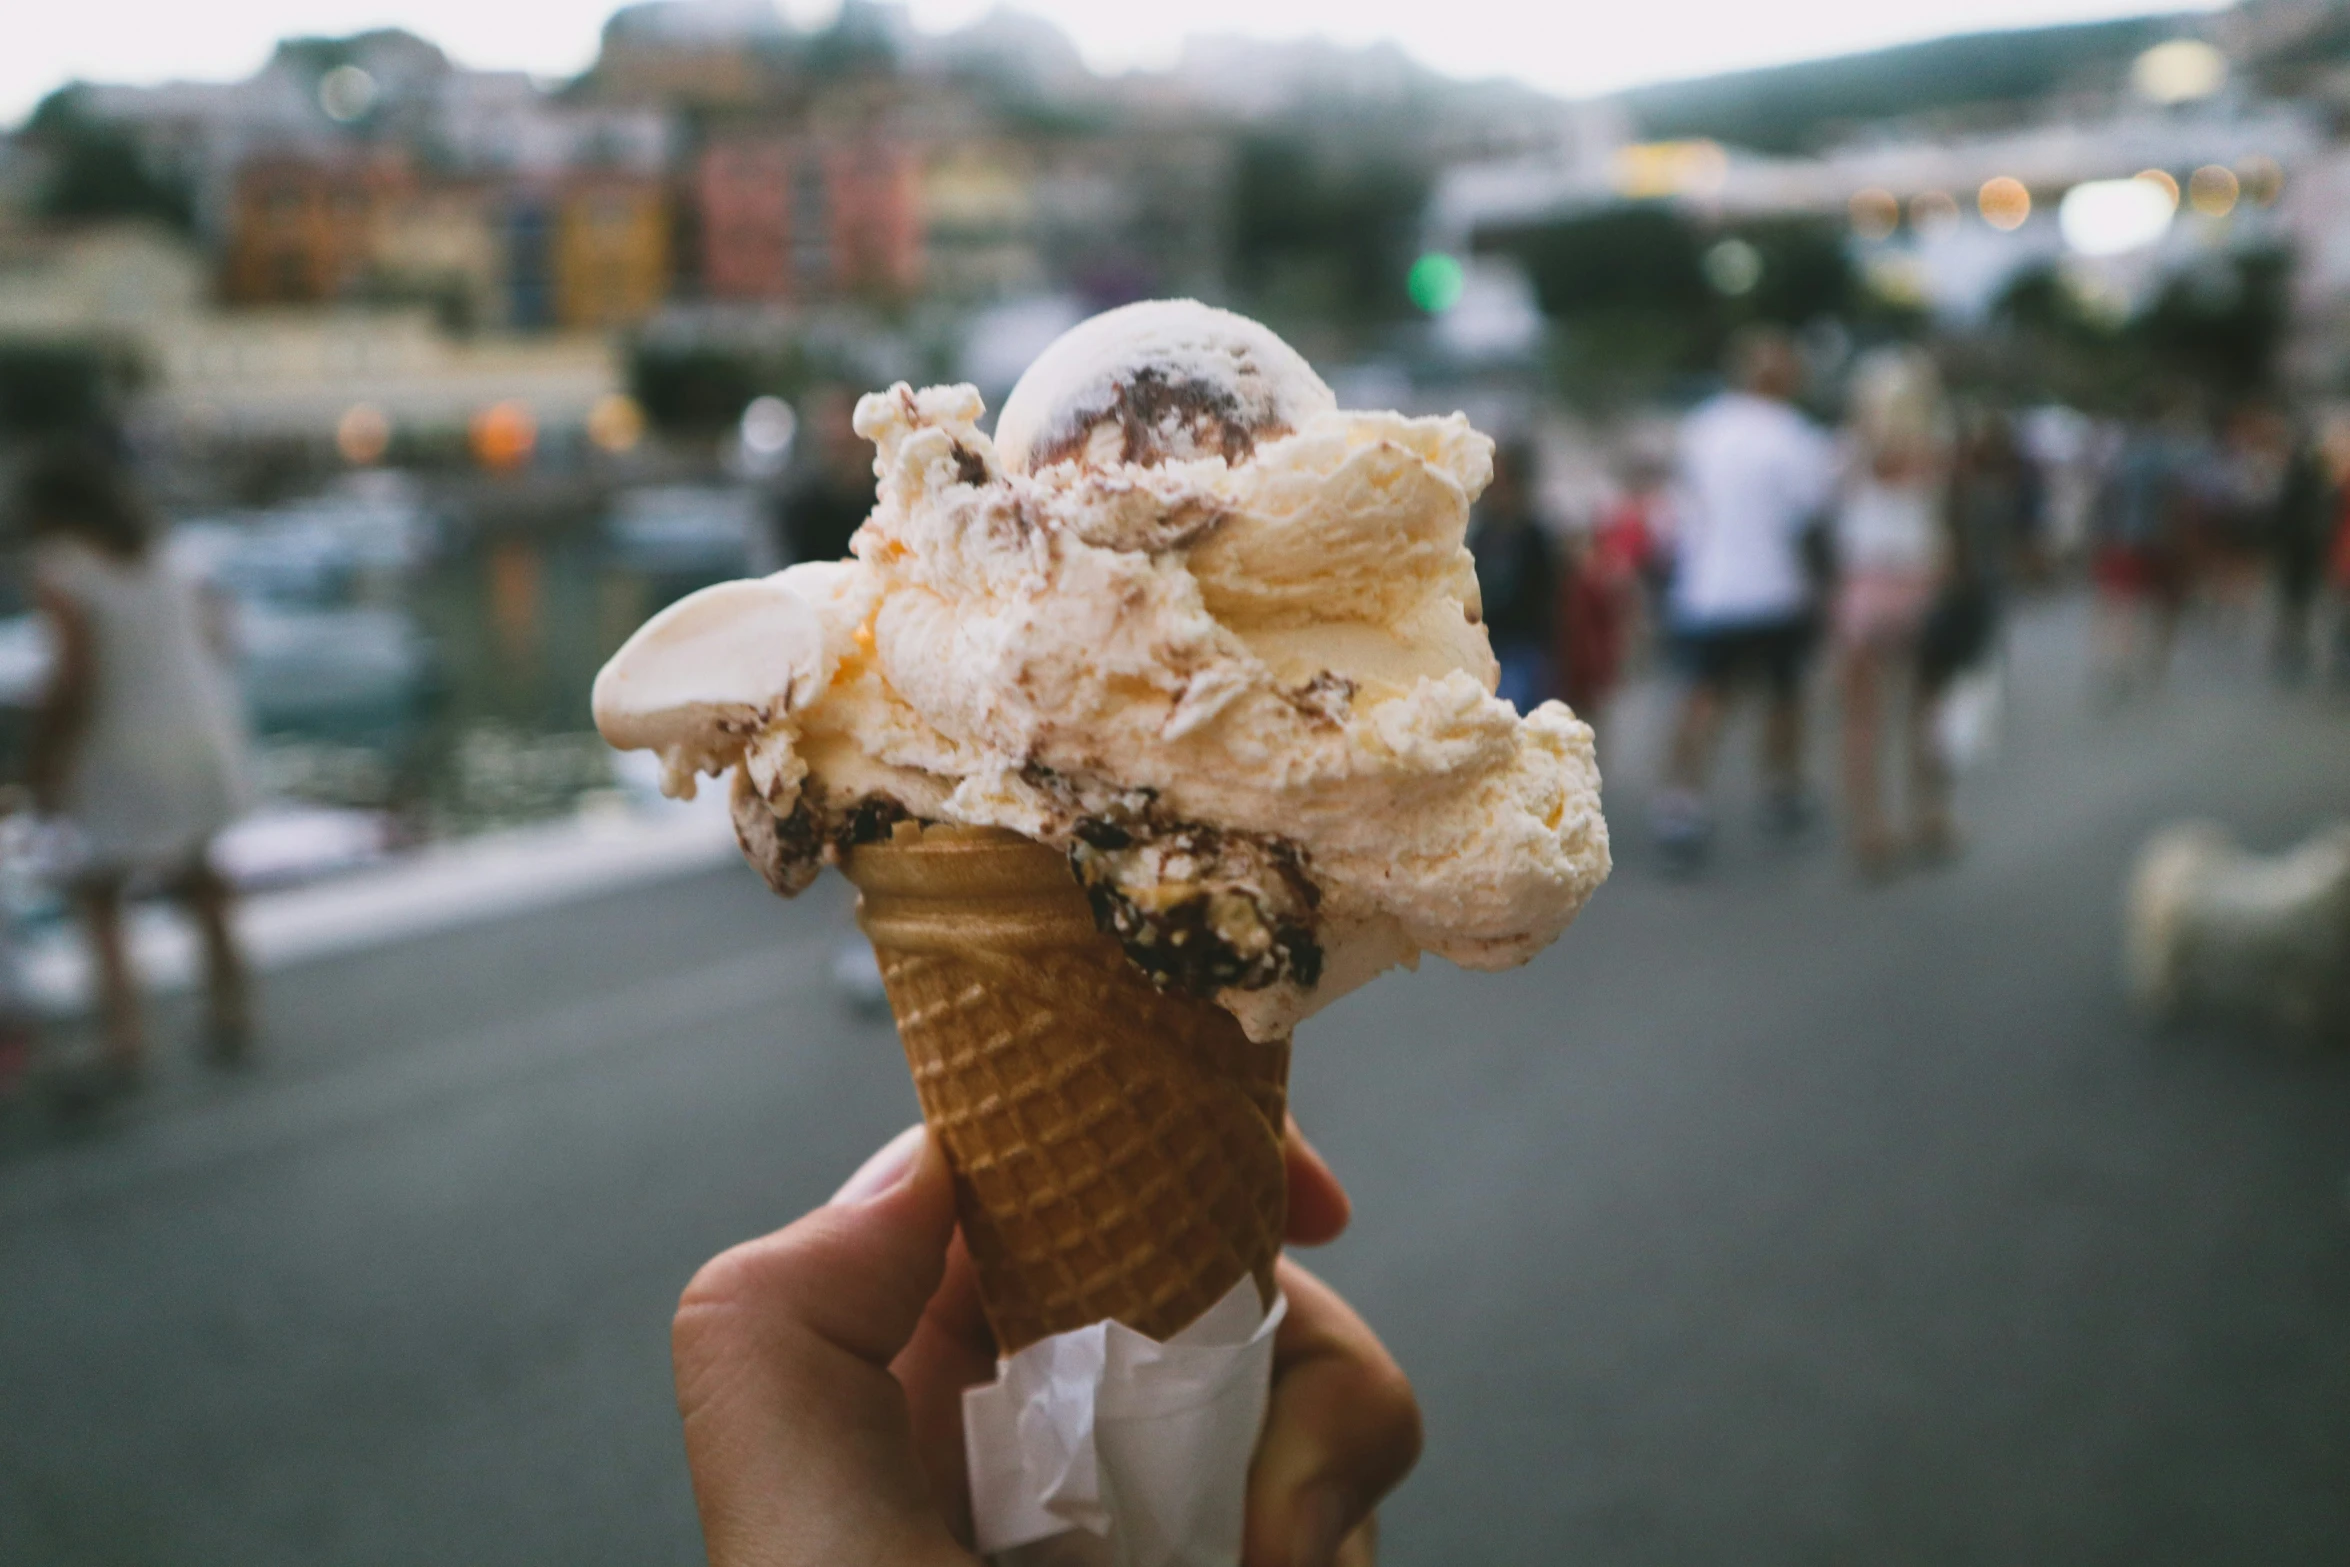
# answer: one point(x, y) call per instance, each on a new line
point(1116, 1149)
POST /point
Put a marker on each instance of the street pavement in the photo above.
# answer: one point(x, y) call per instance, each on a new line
point(1766, 1219)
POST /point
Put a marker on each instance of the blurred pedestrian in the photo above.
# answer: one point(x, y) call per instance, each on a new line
point(2238, 500)
point(1753, 478)
point(1892, 559)
point(1603, 593)
point(137, 744)
point(1517, 577)
point(2139, 564)
point(2063, 451)
point(2308, 502)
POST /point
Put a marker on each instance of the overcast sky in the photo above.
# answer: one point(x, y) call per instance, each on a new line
point(1571, 46)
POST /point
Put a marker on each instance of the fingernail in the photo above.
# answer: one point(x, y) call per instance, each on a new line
point(1321, 1523)
point(884, 1170)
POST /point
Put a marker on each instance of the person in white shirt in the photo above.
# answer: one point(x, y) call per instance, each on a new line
point(1753, 477)
point(138, 744)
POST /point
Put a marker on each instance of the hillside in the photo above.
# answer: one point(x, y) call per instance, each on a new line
point(1794, 108)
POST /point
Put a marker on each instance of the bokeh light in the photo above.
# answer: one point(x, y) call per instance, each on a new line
point(1436, 282)
point(1733, 267)
point(1651, 170)
point(503, 436)
point(363, 435)
point(1875, 213)
point(2113, 217)
point(346, 93)
point(2162, 180)
point(768, 426)
point(2179, 71)
point(2004, 202)
point(2212, 190)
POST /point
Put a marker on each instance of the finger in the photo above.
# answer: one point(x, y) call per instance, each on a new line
point(952, 1349)
point(1318, 1205)
point(1362, 1547)
point(1342, 1430)
point(799, 1438)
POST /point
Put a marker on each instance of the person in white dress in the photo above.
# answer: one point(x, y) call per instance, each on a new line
point(138, 744)
point(1891, 560)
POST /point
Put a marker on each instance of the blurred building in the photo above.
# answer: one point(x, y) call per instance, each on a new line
point(808, 218)
point(610, 249)
point(309, 230)
point(700, 55)
point(278, 370)
point(979, 204)
point(745, 195)
point(443, 243)
point(872, 226)
point(492, 124)
point(1937, 218)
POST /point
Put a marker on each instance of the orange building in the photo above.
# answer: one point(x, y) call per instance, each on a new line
point(302, 231)
point(611, 259)
point(801, 218)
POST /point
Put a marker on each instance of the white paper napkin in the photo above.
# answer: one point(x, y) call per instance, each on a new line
point(1106, 1448)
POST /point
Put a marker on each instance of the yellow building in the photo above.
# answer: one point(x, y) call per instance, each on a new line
point(444, 243)
point(611, 259)
point(275, 371)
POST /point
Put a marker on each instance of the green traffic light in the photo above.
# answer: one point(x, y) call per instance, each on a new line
point(1436, 282)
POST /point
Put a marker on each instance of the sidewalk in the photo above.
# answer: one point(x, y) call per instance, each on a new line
point(470, 881)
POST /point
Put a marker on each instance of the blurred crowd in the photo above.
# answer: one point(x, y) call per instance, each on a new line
point(1767, 542)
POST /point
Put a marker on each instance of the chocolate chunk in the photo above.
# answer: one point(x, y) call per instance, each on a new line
point(869, 821)
point(1328, 696)
point(1162, 416)
point(786, 851)
point(970, 468)
point(1199, 909)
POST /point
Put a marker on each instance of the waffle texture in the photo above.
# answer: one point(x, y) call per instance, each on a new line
point(1116, 1149)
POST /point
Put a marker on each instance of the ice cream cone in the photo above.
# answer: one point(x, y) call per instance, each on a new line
point(1116, 1148)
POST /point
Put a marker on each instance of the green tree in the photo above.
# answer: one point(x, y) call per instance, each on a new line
point(1321, 233)
point(59, 388)
point(97, 169)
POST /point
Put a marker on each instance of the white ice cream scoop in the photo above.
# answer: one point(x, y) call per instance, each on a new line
point(717, 664)
point(1164, 379)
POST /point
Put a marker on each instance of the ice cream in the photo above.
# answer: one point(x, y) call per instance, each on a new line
point(1183, 619)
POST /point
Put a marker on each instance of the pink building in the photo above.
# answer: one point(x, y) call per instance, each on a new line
point(745, 189)
point(876, 219)
point(796, 218)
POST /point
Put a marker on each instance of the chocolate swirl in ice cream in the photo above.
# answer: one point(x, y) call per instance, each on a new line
point(1181, 618)
point(1151, 384)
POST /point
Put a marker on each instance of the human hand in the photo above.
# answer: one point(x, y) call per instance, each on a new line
point(821, 1369)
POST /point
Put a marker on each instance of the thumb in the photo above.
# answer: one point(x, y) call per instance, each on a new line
point(798, 1436)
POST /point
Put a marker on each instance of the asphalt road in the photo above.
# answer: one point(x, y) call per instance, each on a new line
point(1766, 1219)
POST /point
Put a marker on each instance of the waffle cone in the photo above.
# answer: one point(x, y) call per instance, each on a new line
point(1116, 1149)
